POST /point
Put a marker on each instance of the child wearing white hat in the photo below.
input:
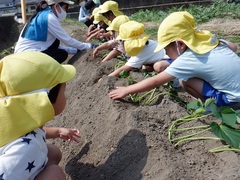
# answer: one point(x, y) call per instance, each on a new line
point(44, 32)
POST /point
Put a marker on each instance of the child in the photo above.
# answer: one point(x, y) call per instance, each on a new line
point(100, 31)
point(205, 67)
point(44, 32)
point(141, 49)
point(113, 44)
point(32, 93)
point(110, 10)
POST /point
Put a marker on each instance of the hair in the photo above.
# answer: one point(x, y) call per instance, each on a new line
point(89, 5)
point(42, 5)
point(53, 94)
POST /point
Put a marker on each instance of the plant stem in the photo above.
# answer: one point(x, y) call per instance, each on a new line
point(190, 135)
point(224, 148)
point(197, 138)
point(190, 128)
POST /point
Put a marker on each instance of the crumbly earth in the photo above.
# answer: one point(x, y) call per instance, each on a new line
point(122, 140)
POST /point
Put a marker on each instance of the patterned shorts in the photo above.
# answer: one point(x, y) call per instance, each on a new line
point(24, 157)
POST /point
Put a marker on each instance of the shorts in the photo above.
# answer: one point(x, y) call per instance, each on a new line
point(169, 61)
point(120, 48)
point(220, 98)
point(24, 157)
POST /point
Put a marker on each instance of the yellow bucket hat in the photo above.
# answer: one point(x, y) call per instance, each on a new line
point(114, 26)
point(95, 10)
point(181, 26)
point(25, 79)
point(110, 6)
point(134, 37)
point(99, 17)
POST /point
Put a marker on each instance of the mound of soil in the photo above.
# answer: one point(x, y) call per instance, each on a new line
point(123, 140)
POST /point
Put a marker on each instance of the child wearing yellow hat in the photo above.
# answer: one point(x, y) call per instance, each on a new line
point(141, 49)
point(101, 23)
point(110, 10)
point(31, 94)
point(205, 67)
point(113, 44)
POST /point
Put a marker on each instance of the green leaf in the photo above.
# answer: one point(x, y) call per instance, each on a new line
point(238, 115)
point(200, 110)
point(215, 111)
point(228, 116)
point(199, 103)
point(226, 133)
point(208, 102)
point(124, 74)
point(192, 105)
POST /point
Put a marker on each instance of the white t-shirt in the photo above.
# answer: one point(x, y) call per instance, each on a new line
point(219, 67)
point(147, 56)
point(55, 30)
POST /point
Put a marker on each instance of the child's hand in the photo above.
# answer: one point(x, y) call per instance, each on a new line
point(69, 134)
point(95, 53)
point(118, 93)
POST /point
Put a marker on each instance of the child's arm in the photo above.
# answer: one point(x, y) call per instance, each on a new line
point(230, 45)
point(94, 35)
point(111, 55)
point(92, 31)
point(63, 133)
point(106, 45)
point(145, 85)
point(117, 71)
point(104, 35)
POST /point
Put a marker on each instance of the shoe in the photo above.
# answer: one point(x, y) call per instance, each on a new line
point(76, 56)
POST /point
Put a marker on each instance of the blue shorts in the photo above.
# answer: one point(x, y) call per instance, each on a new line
point(169, 61)
point(220, 98)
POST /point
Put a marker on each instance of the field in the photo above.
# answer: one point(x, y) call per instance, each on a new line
point(123, 140)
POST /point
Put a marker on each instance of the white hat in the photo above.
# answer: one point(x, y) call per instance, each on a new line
point(51, 2)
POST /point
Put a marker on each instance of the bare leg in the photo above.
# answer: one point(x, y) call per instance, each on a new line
point(160, 66)
point(148, 68)
point(54, 155)
point(194, 87)
point(52, 172)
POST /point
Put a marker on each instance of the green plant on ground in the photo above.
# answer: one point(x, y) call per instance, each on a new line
point(225, 130)
point(122, 57)
point(119, 64)
point(150, 97)
point(5, 52)
point(202, 13)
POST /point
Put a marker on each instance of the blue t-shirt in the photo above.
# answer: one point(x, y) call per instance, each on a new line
point(219, 67)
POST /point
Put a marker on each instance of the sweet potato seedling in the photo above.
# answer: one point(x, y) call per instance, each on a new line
point(225, 130)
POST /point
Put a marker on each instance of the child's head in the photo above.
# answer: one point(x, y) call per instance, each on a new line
point(115, 24)
point(180, 26)
point(26, 79)
point(133, 35)
point(110, 10)
point(101, 20)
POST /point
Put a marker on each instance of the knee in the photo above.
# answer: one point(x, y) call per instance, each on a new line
point(159, 67)
point(54, 154)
